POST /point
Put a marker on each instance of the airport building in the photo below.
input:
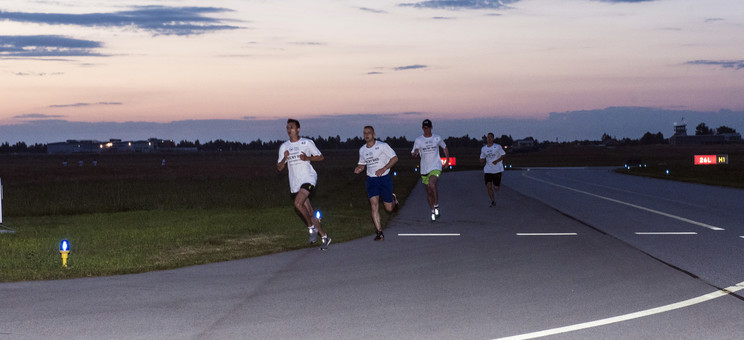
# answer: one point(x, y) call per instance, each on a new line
point(680, 137)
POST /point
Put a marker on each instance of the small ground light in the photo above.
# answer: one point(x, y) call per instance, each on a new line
point(395, 173)
point(317, 214)
point(667, 172)
point(64, 249)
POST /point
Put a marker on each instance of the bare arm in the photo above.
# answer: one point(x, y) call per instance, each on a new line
point(499, 160)
point(387, 166)
point(283, 162)
point(317, 158)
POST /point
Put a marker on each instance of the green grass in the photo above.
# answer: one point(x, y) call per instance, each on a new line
point(131, 242)
point(128, 215)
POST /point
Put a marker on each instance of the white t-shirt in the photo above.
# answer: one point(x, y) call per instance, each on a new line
point(491, 154)
point(376, 157)
point(429, 152)
point(300, 172)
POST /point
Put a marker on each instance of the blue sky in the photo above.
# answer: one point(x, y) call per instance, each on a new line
point(233, 69)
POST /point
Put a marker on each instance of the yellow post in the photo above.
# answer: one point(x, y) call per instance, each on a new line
point(64, 249)
point(64, 257)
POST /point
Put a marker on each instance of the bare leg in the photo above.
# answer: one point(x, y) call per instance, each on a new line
point(389, 206)
point(305, 209)
point(433, 193)
point(489, 186)
point(374, 203)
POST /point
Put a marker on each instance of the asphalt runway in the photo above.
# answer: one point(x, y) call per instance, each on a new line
point(536, 265)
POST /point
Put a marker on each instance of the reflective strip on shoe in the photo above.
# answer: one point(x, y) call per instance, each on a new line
point(326, 242)
point(313, 237)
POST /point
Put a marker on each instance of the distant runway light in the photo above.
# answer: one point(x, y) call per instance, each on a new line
point(317, 214)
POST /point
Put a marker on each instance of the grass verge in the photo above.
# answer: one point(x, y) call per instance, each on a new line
point(122, 218)
point(139, 241)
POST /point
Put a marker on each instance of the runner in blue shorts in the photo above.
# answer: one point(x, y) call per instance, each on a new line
point(378, 157)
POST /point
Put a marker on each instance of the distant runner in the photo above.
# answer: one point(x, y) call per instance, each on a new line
point(378, 157)
point(298, 153)
point(492, 155)
point(427, 147)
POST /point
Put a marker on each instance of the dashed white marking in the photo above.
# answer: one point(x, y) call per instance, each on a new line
point(453, 234)
point(682, 304)
point(666, 233)
point(629, 204)
point(547, 234)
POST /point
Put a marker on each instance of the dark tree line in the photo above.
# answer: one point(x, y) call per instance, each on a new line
point(336, 142)
point(21, 147)
point(703, 129)
point(332, 142)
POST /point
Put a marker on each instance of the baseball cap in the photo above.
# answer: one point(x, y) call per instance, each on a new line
point(426, 123)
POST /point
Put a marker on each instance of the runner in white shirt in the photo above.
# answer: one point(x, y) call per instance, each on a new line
point(378, 157)
point(427, 146)
point(296, 154)
point(492, 155)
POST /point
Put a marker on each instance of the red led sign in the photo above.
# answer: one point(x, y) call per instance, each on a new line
point(711, 159)
point(452, 160)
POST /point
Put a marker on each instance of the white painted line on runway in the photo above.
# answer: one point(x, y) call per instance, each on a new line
point(666, 233)
point(547, 234)
point(629, 204)
point(454, 234)
point(682, 304)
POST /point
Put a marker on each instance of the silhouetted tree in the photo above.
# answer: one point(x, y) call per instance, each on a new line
point(398, 142)
point(650, 138)
point(703, 129)
point(185, 144)
point(505, 140)
point(464, 141)
point(724, 129)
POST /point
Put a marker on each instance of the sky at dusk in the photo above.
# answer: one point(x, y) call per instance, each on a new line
point(237, 69)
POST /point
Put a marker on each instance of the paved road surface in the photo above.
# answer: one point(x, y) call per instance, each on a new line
point(496, 279)
point(698, 228)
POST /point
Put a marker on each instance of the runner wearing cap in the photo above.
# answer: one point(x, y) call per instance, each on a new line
point(427, 147)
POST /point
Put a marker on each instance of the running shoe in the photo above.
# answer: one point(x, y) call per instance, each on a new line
point(493, 204)
point(433, 217)
point(313, 234)
point(395, 200)
point(380, 236)
point(326, 242)
point(436, 213)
